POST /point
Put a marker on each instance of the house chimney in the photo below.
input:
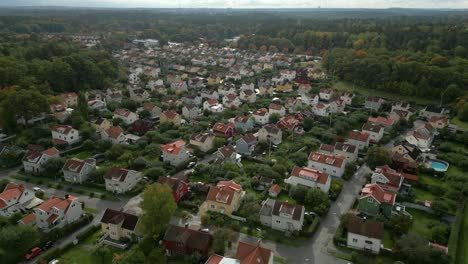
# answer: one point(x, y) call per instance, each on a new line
point(66, 196)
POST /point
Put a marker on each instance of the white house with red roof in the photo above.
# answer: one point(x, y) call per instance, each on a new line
point(120, 180)
point(65, 135)
point(114, 134)
point(326, 94)
point(359, 138)
point(288, 74)
point(375, 131)
point(34, 160)
point(386, 122)
point(13, 198)
point(261, 116)
point(387, 178)
point(321, 109)
point(421, 137)
point(56, 212)
point(248, 95)
point(309, 177)
point(439, 122)
point(334, 165)
point(77, 171)
point(276, 109)
point(127, 116)
point(213, 106)
point(231, 101)
point(373, 103)
point(174, 153)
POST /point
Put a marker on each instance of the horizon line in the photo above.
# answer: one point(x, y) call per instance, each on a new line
point(235, 8)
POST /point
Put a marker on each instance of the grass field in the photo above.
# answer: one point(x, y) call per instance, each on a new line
point(421, 221)
point(459, 123)
point(462, 248)
point(387, 240)
point(345, 86)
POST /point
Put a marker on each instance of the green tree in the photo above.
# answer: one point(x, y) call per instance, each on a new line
point(463, 113)
point(399, 224)
point(15, 240)
point(317, 201)
point(415, 249)
point(274, 118)
point(377, 156)
point(158, 206)
point(155, 172)
point(103, 252)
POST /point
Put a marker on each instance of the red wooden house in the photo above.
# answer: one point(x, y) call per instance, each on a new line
point(178, 185)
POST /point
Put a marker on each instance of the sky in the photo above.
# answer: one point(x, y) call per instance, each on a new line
point(243, 3)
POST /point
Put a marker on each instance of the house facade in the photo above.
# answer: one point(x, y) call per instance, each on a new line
point(127, 116)
point(203, 142)
point(120, 180)
point(374, 200)
point(261, 116)
point(65, 135)
point(78, 171)
point(246, 144)
point(364, 234)
point(13, 198)
point(174, 153)
point(225, 197)
point(309, 177)
point(184, 241)
point(359, 139)
point(270, 133)
point(282, 216)
point(334, 165)
point(118, 225)
point(114, 134)
point(34, 160)
point(178, 185)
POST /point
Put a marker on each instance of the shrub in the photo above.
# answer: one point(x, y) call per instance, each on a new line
point(91, 194)
point(88, 232)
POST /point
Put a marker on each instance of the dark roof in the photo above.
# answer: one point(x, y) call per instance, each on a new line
point(368, 228)
point(189, 237)
point(111, 216)
point(287, 208)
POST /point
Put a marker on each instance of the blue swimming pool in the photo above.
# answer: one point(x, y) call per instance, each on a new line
point(439, 166)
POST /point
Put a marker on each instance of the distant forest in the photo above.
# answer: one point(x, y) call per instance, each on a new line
point(405, 51)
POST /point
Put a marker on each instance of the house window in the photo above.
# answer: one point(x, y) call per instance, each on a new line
point(368, 242)
point(179, 244)
point(278, 221)
point(354, 240)
point(213, 206)
point(369, 200)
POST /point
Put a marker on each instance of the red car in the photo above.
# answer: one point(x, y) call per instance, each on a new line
point(34, 253)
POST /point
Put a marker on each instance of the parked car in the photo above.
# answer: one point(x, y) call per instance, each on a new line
point(191, 164)
point(34, 253)
point(54, 261)
point(47, 245)
point(36, 189)
point(100, 157)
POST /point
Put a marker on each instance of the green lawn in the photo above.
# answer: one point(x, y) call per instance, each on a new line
point(345, 86)
point(421, 195)
point(83, 253)
point(420, 222)
point(459, 123)
point(83, 155)
point(462, 248)
point(387, 240)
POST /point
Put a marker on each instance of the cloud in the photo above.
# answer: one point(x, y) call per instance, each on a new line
point(246, 3)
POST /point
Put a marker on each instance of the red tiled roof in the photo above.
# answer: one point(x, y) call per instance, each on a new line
point(327, 148)
point(252, 254)
point(332, 160)
point(359, 136)
point(114, 131)
point(62, 129)
point(116, 173)
point(51, 151)
point(170, 114)
point(28, 218)
point(122, 112)
point(52, 218)
point(261, 112)
point(382, 120)
point(173, 148)
point(378, 193)
point(275, 188)
point(275, 106)
point(310, 174)
point(222, 128)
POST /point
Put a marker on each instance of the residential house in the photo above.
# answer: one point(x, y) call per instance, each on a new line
point(337, 106)
point(402, 106)
point(178, 185)
point(310, 99)
point(192, 99)
point(65, 135)
point(321, 109)
point(141, 126)
point(326, 94)
point(184, 241)
point(14, 197)
point(373, 103)
point(430, 111)
point(334, 165)
point(251, 254)
point(69, 99)
point(270, 133)
point(97, 105)
point(227, 88)
point(227, 154)
point(231, 101)
point(138, 94)
point(170, 116)
point(243, 123)
point(114, 95)
point(374, 200)
point(100, 123)
point(191, 111)
point(405, 156)
point(209, 94)
point(34, 160)
point(293, 104)
point(204, 142)
point(421, 137)
point(180, 86)
point(174, 153)
point(359, 139)
point(290, 123)
point(284, 86)
point(282, 216)
point(309, 177)
point(288, 74)
point(154, 110)
point(364, 234)
point(213, 106)
point(439, 122)
point(114, 134)
point(248, 96)
point(120, 180)
point(77, 171)
point(225, 130)
point(387, 178)
point(349, 151)
point(387, 123)
point(54, 213)
point(127, 116)
point(375, 131)
point(347, 98)
point(274, 190)
point(60, 112)
point(276, 109)
point(225, 197)
point(261, 116)
point(246, 144)
point(118, 225)
point(304, 88)
point(214, 79)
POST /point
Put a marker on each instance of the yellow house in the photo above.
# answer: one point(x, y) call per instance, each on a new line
point(284, 87)
point(225, 197)
point(214, 80)
point(101, 124)
point(118, 225)
point(170, 116)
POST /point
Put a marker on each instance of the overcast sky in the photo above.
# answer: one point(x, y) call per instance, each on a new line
point(244, 3)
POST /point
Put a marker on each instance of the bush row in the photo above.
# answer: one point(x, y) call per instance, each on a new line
point(87, 232)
